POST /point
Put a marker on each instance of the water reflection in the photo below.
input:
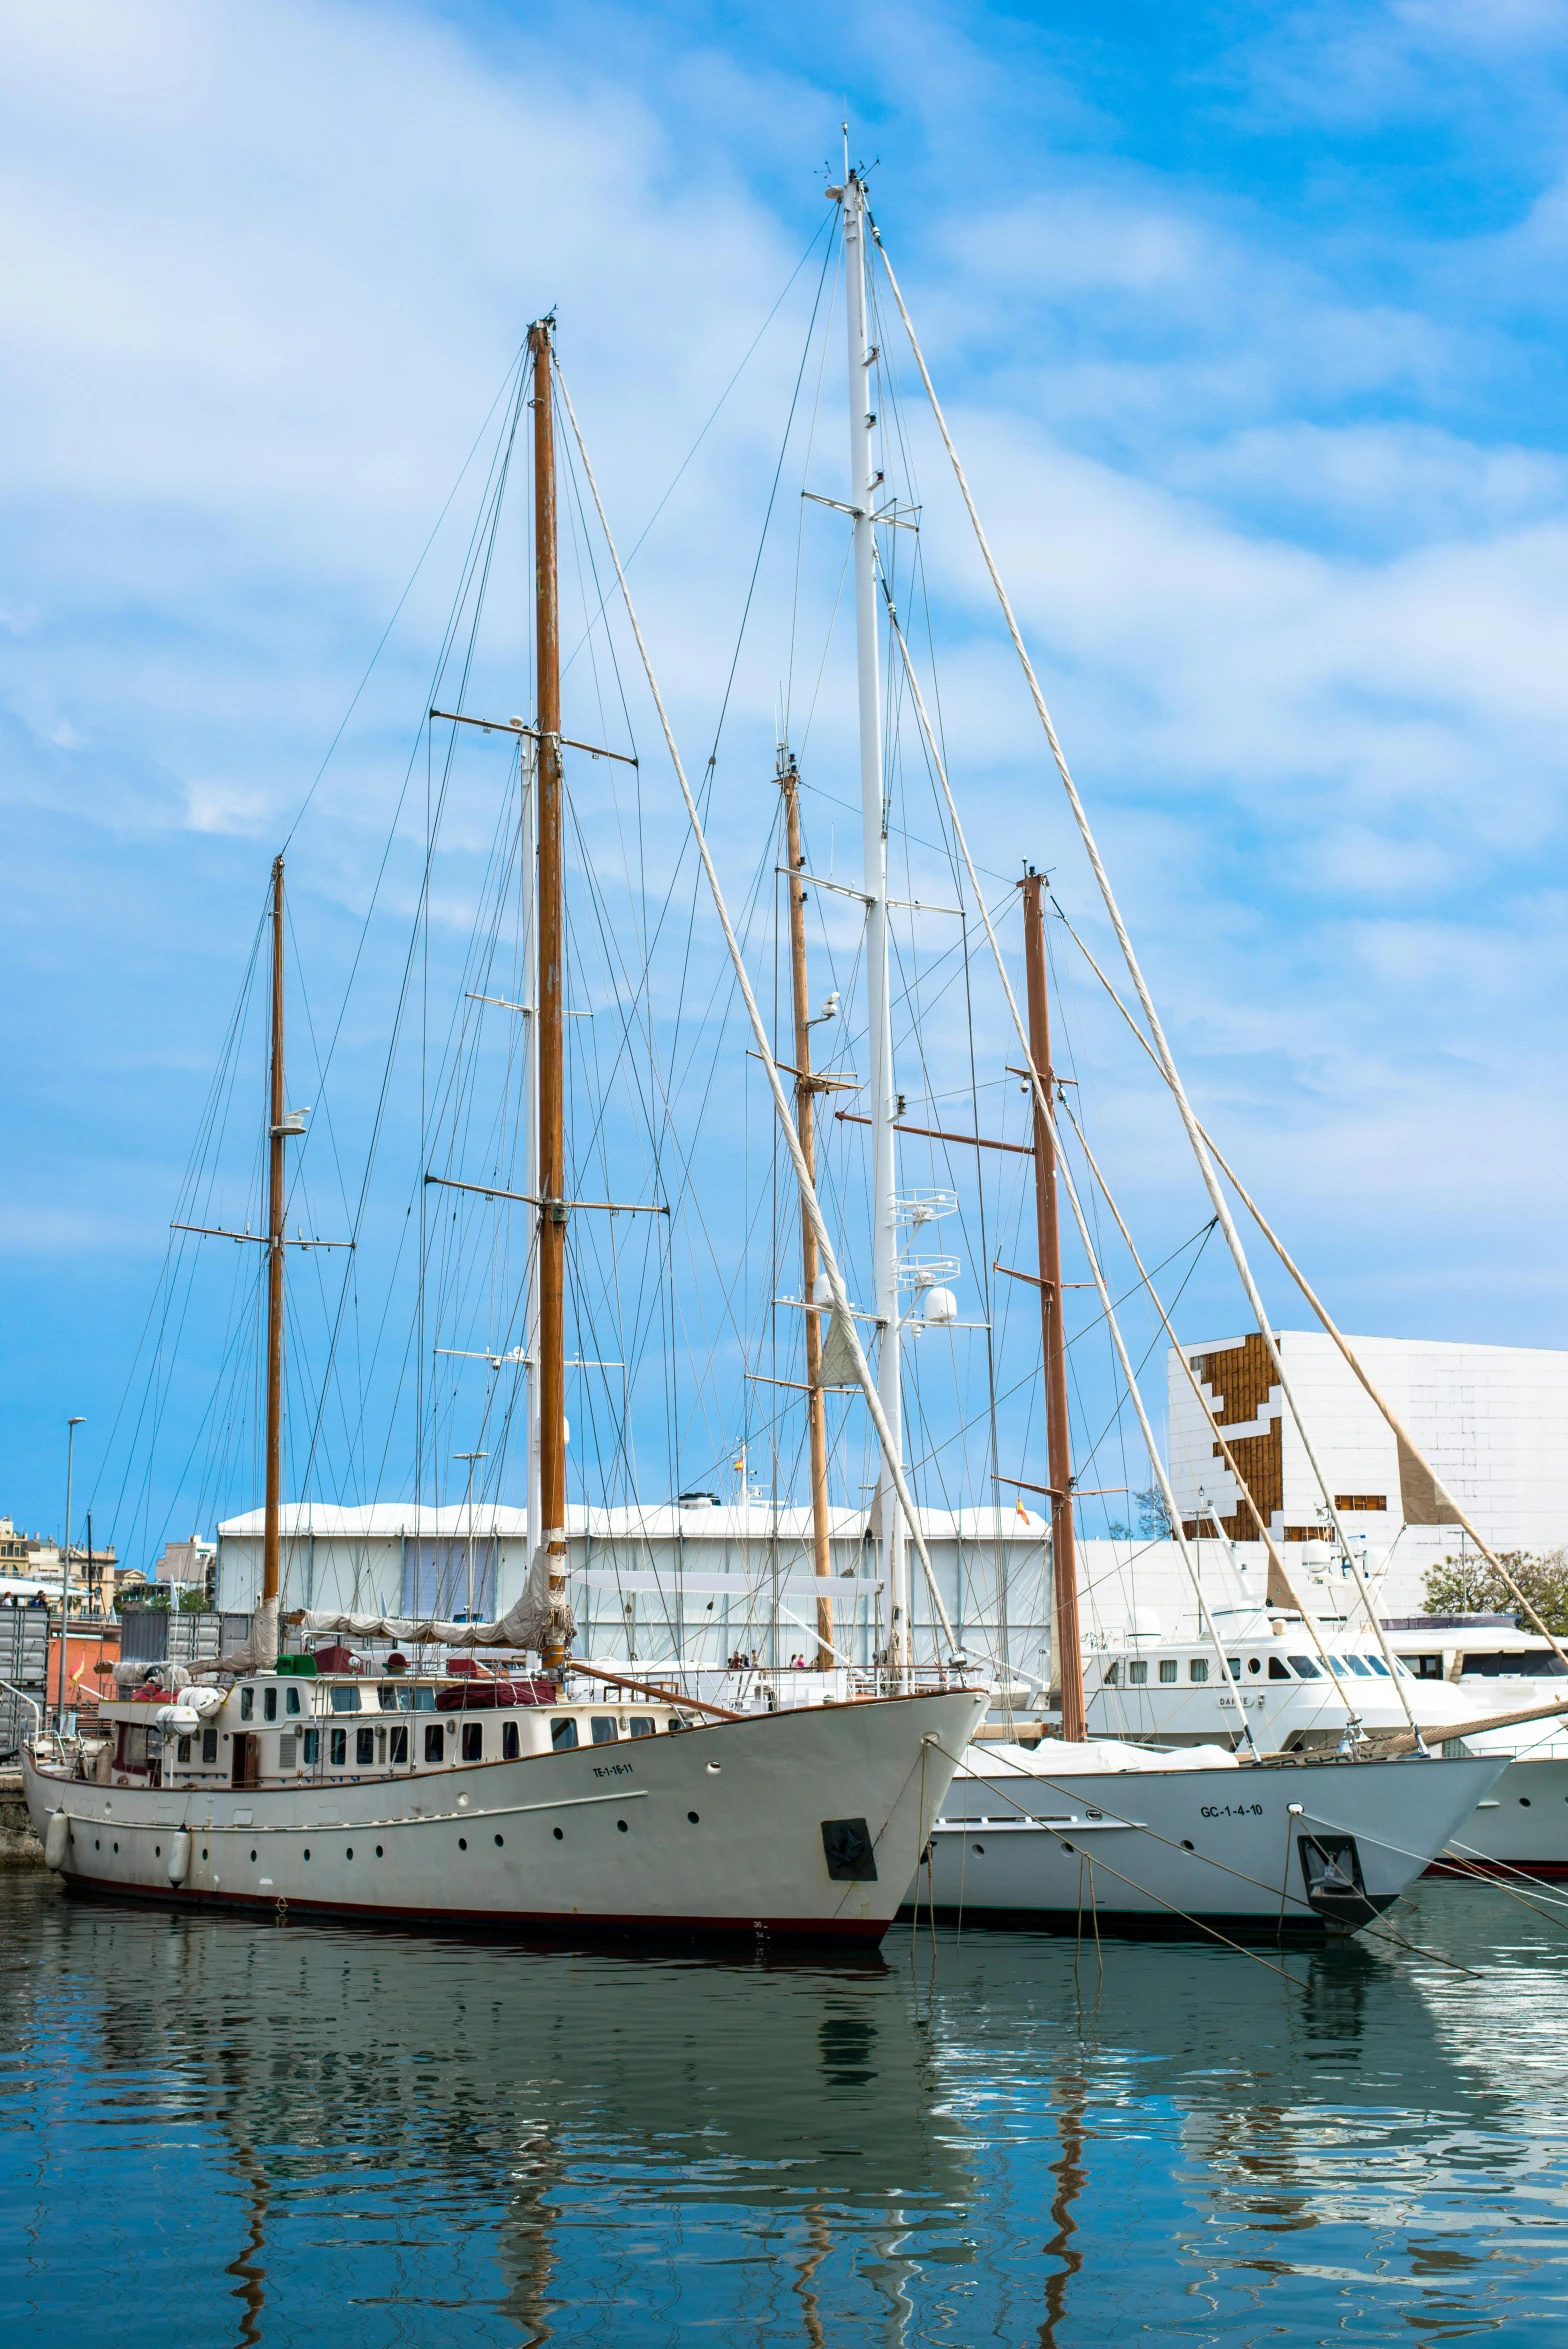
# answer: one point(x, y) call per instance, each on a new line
point(299, 2134)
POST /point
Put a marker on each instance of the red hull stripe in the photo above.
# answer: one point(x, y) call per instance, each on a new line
point(1552, 1871)
point(501, 1920)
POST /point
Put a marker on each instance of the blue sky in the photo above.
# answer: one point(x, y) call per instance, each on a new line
point(1250, 319)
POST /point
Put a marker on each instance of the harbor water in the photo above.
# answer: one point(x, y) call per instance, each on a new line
point(221, 2130)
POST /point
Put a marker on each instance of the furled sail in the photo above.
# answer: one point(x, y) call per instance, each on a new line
point(534, 1621)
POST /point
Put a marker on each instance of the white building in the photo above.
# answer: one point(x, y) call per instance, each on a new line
point(1492, 1421)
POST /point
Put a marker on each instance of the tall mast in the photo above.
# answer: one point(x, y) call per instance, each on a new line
point(549, 1019)
point(865, 479)
point(275, 1204)
point(805, 1122)
point(1066, 1651)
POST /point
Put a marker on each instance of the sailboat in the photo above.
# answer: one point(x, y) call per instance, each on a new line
point(436, 1792)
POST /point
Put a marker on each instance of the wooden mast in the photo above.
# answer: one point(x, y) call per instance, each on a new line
point(549, 1015)
point(805, 1124)
point(275, 1204)
point(1066, 1650)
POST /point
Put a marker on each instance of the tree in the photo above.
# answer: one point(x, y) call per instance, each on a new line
point(1469, 1586)
point(1154, 1518)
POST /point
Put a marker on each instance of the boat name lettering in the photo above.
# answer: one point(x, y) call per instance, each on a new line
point(612, 1770)
point(1232, 1810)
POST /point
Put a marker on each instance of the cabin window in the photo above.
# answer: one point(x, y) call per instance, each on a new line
point(364, 1749)
point(1423, 1667)
point(133, 1747)
point(563, 1735)
point(182, 1751)
point(400, 1742)
point(338, 1752)
point(641, 1726)
point(1198, 1669)
point(288, 1750)
point(1377, 1665)
point(604, 1729)
point(1233, 1666)
point(509, 1743)
point(1111, 1675)
point(393, 1698)
point(1254, 1663)
point(1305, 1666)
point(269, 1704)
point(1167, 1667)
point(473, 1741)
point(424, 1699)
point(1137, 1673)
point(1355, 1665)
point(247, 1703)
point(345, 1700)
point(209, 1745)
point(312, 1746)
point(1277, 1670)
point(291, 1701)
point(435, 1745)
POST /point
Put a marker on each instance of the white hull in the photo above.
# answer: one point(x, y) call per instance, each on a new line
point(1522, 1824)
point(597, 1839)
point(1217, 1845)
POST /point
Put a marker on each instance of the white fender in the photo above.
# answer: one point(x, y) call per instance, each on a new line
point(57, 1840)
point(180, 1857)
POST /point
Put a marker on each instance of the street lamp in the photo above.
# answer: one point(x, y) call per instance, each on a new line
point(65, 1563)
point(470, 1457)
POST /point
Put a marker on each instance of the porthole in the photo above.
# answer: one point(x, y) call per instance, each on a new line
point(557, 1832)
point(1067, 1847)
point(253, 1855)
point(97, 1846)
point(116, 1847)
point(380, 1854)
point(1524, 1802)
point(713, 1768)
point(978, 1849)
point(204, 1852)
point(348, 1851)
point(1185, 1844)
point(499, 1841)
point(157, 1851)
point(692, 1816)
point(462, 1843)
point(620, 1824)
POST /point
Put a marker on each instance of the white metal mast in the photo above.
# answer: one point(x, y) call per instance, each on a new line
point(864, 481)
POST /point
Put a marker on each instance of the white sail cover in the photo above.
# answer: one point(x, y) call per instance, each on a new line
point(259, 1652)
point(532, 1623)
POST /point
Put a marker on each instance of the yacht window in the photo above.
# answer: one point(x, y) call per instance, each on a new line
point(473, 1741)
point(563, 1735)
point(424, 1699)
point(395, 1699)
point(345, 1700)
point(1198, 1669)
point(1305, 1666)
point(1167, 1667)
point(1137, 1673)
point(312, 1746)
point(1512, 1663)
point(1377, 1665)
point(1254, 1663)
point(1233, 1666)
point(364, 1748)
point(509, 1741)
point(338, 1752)
point(1423, 1667)
point(182, 1751)
point(641, 1726)
point(1111, 1675)
point(288, 1749)
point(269, 1704)
point(400, 1742)
point(435, 1744)
point(604, 1729)
point(1356, 1666)
point(247, 1703)
point(1277, 1670)
point(209, 1745)
point(291, 1701)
